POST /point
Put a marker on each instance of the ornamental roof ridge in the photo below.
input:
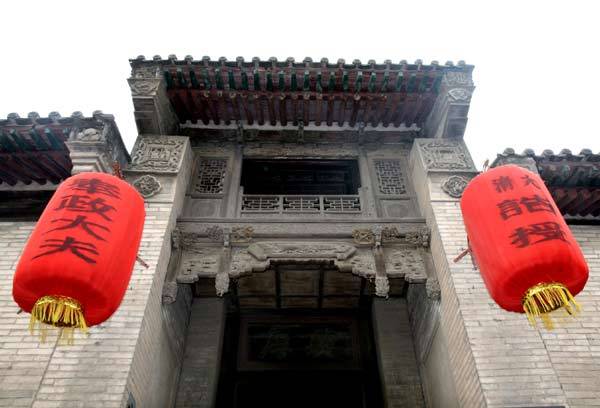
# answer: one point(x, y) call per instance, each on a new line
point(34, 118)
point(548, 155)
point(307, 62)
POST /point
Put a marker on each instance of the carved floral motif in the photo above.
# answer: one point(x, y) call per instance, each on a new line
point(454, 186)
point(147, 185)
point(363, 236)
point(241, 234)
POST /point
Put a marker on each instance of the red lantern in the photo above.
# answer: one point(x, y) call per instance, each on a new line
point(526, 253)
point(76, 266)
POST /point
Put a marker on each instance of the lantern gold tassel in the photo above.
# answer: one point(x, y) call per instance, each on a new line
point(59, 311)
point(543, 298)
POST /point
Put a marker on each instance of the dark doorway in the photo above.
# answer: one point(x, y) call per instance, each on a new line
point(299, 358)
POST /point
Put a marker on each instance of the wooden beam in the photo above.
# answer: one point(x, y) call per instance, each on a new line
point(282, 110)
point(318, 108)
point(247, 111)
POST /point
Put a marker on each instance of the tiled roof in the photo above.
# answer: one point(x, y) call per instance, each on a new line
point(288, 92)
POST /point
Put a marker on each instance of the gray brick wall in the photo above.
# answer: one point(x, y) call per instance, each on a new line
point(131, 353)
point(497, 358)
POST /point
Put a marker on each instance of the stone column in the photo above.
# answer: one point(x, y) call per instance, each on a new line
point(396, 354)
point(496, 359)
point(448, 118)
point(202, 359)
point(152, 108)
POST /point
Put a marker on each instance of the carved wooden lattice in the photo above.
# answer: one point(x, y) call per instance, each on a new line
point(211, 176)
point(389, 177)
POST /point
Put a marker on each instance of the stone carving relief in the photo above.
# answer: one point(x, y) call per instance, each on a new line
point(418, 237)
point(361, 265)
point(363, 236)
point(241, 235)
point(144, 86)
point(210, 178)
point(89, 135)
point(382, 286)
point(169, 293)
point(407, 263)
point(158, 154)
point(222, 283)
point(215, 233)
point(457, 78)
point(147, 185)
point(301, 250)
point(432, 287)
point(204, 262)
point(460, 94)
point(243, 263)
point(445, 155)
point(299, 150)
point(389, 177)
point(454, 186)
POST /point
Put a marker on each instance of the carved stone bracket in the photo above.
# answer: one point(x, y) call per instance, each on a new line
point(382, 286)
point(433, 289)
point(419, 237)
point(454, 186)
point(158, 154)
point(407, 263)
point(241, 235)
point(202, 263)
point(363, 236)
point(147, 185)
point(169, 293)
point(259, 256)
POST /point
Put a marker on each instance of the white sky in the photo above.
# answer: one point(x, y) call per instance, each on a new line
point(535, 61)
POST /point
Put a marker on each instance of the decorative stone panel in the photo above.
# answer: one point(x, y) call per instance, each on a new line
point(158, 154)
point(389, 177)
point(210, 178)
point(448, 155)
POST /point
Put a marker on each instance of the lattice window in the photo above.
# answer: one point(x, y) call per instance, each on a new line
point(389, 177)
point(341, 204)
point(211, 176)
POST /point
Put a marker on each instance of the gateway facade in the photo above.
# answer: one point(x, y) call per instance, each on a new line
point(302, 221)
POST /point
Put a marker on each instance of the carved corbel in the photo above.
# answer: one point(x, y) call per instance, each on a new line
point(363, 236)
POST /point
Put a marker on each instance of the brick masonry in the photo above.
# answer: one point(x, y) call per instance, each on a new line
point(497, 359)
point(121, 359)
